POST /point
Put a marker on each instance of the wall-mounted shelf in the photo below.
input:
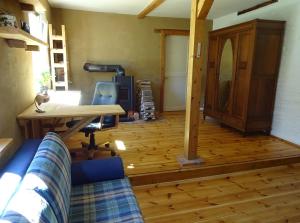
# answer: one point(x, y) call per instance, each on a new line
point(20, 39)
point(38, 6)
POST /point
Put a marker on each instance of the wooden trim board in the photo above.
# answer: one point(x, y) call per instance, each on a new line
point(286, 141)
point(176, 32)
point(162, 69)
point(205, 171)
point(257, 7)
point(163, 34)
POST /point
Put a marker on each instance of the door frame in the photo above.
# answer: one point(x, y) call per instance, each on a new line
point(163, 34)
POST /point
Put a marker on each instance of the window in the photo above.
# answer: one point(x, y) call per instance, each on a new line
point(40, 59)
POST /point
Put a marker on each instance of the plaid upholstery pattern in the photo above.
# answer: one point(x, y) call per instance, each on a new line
point(27, 206)
point(49, 175)
point(107, 201)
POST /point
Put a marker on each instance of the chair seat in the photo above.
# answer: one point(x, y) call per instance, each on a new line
point(92, 127)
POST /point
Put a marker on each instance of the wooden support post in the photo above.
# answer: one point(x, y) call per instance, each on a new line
point(193, 90)
point(194, 84)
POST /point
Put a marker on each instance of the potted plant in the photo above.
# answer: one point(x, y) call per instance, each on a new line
point(45, 82)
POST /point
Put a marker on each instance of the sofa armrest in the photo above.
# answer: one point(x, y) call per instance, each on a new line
point(92, 171)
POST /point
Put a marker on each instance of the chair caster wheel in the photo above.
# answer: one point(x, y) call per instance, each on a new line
point(113, 153)
point(84, 145)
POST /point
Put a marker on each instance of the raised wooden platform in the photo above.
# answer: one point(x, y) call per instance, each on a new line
point(265, 195)
point(152, 149)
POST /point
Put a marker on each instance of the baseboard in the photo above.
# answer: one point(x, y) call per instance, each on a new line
point(286, 141)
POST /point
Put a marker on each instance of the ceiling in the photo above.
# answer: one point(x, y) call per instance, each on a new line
point(170, 8)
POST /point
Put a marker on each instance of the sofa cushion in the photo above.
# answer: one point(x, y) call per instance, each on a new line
point(49, 175)
point(91, 171)
point(14, 171)
point(21, 210)
point(107, 201)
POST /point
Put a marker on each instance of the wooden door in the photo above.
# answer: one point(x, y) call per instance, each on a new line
point(176, 73)
point(242, 76)
point(211, 79)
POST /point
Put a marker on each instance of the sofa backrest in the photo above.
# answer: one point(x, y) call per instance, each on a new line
point(13, 172)
point(27, 206)
point(48, 178)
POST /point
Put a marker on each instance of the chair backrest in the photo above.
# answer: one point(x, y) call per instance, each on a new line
point(106, 93)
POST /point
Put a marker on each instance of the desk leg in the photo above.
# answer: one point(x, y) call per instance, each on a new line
point(117, 120)
point(25, 125)
point(36, 129)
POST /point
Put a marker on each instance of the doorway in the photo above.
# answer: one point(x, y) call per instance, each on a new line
point(176, 68)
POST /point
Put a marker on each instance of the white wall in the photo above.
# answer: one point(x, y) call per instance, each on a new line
point(286, 121)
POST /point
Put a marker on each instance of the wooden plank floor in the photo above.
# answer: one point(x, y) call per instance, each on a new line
point(265, 195)
point(152, 147)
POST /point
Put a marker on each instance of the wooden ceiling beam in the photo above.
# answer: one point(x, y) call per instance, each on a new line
point(153, 5)
point(203, 8)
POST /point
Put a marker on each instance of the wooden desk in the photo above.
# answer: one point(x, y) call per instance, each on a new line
point(30, 120)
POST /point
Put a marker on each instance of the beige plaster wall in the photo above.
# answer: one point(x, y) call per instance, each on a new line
point(113, 39)
point(16, 84)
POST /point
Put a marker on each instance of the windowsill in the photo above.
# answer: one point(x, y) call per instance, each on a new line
point(4, 144)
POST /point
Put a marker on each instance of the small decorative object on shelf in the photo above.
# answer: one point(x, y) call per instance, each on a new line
point(40, 99)
point(145, 99)
point(7, 19)
point(25, 26)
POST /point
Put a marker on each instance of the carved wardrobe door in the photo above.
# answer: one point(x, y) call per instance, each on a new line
point(210, 95)
point(226, 73)
point(242, 78)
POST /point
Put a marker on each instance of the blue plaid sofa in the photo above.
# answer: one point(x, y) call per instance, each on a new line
point(40, 184)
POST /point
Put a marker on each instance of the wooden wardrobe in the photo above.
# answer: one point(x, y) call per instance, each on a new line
point(242, 71)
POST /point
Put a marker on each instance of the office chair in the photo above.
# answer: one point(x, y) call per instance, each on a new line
point(106, 93)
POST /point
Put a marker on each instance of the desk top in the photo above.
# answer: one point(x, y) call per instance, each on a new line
point(70, 111)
